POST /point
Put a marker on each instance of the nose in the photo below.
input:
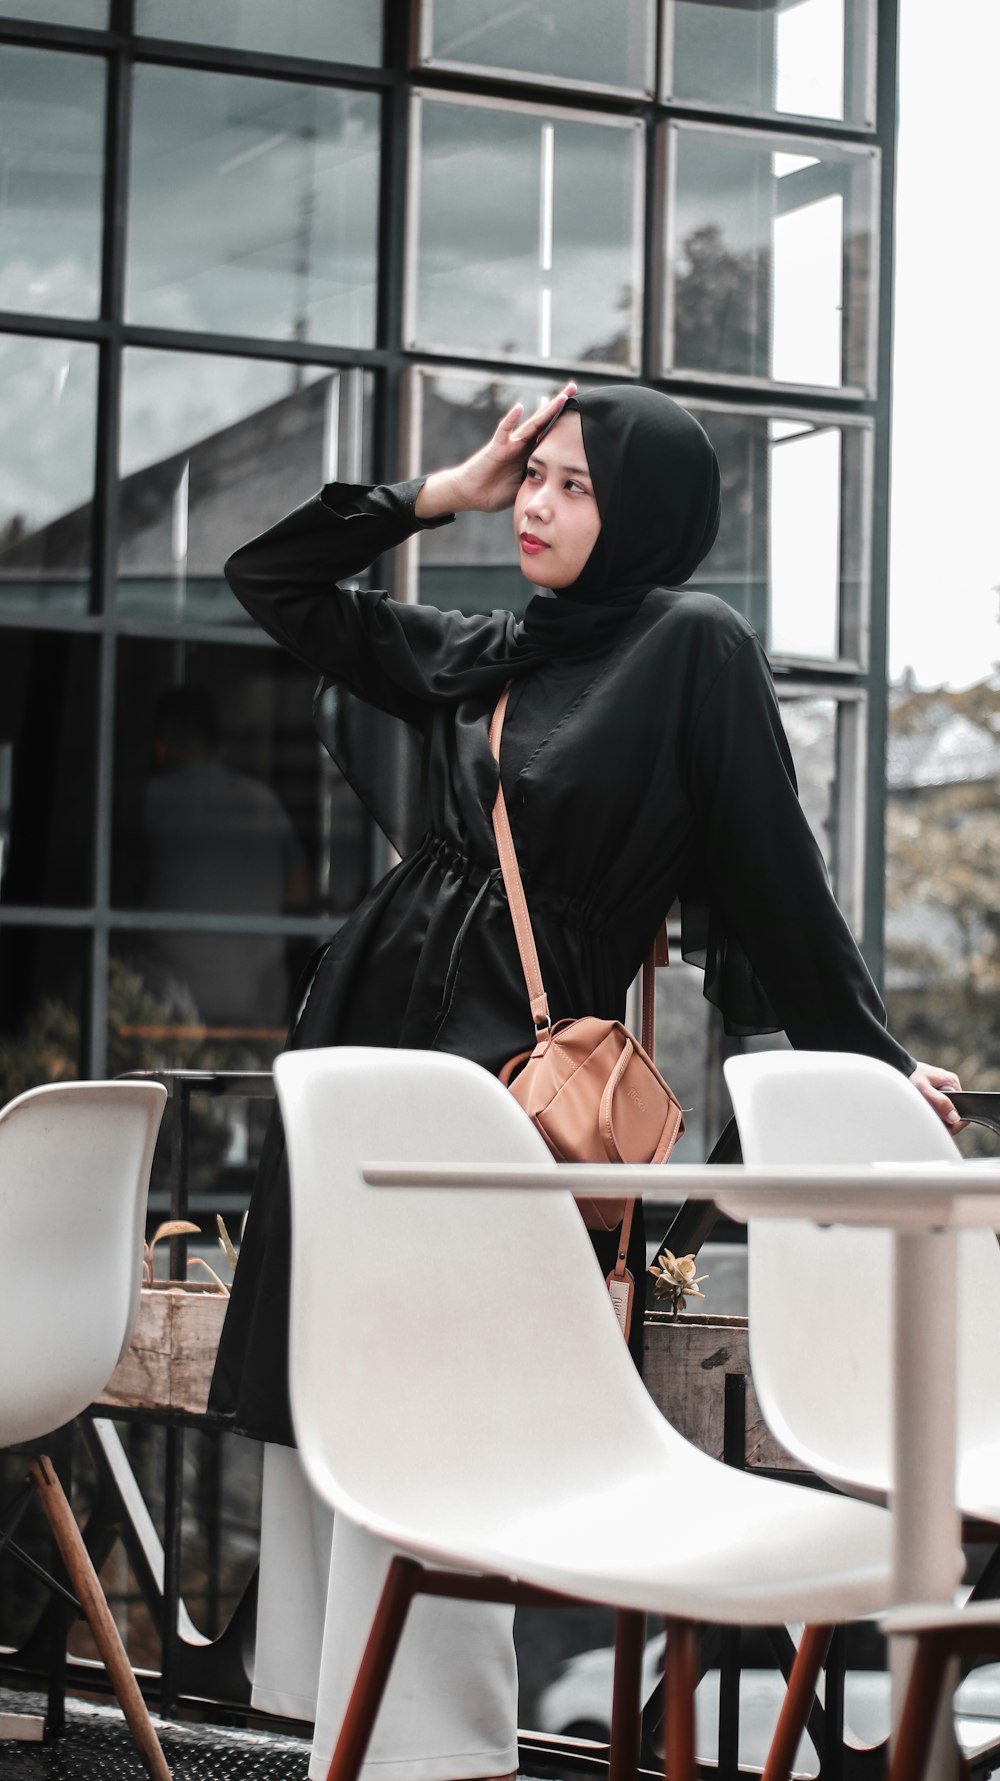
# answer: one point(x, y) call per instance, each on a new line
point(536, 502)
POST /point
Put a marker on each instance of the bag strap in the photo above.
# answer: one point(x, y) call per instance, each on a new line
point(526, 947)
point(659, 952)
point(528, 952)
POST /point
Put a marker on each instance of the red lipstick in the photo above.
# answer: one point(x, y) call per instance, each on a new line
point(530, 544)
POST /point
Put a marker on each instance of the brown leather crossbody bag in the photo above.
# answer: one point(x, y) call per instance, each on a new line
point(590, 1088)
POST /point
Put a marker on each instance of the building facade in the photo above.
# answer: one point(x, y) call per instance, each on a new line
point(246, 249)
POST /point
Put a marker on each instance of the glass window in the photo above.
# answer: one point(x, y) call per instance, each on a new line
point(93, 13)
point(472, 565)
point(810, 57)
point(771, 259)
point(553, 40)
point(190, 1000)
point(44, 977)
point(825, 736)
point(48, 397)
point(550, 268)
point(48, 704)
point(793, 551)
point(224, 801)
point(253, 207)
point(348, 31)
point(51, 193)
point(213, 450)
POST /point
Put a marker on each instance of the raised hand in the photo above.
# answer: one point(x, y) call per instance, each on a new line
point(490, 479)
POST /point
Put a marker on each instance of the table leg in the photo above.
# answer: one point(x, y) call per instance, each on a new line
point(926, 1525)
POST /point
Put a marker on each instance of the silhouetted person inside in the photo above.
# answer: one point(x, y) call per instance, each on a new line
point(218, 841)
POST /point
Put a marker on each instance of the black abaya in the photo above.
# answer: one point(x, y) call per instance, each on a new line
point(650, 767)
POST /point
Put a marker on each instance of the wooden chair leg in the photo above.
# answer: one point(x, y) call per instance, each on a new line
point(91, 1597)
point(626, 1707)
point(920, 1709)
point(798, 1699)
point(366, 1696)
point(681, 1679)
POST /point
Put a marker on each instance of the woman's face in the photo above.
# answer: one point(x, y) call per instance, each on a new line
point(556, 521)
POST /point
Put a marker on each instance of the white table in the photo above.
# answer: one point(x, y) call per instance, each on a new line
point(923, 1205)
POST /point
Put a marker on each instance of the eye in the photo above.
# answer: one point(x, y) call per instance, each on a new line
point(531, 475)
point(577, 488)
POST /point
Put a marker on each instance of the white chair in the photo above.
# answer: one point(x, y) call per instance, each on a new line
point(500, 1342)
point(74, 1173)
point(820, 1311)
point(820, 1301)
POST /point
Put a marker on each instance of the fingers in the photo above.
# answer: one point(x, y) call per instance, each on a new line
point(543, 414)
point(506, 429)
point(932, 1081)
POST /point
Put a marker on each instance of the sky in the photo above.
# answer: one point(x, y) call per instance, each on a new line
point(945, 509)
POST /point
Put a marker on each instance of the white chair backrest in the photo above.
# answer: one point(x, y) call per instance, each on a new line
point(820, 1301)
point(74, 1173)
point(405, 1300)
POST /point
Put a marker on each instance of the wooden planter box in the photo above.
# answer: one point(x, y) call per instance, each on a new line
point(169, 1361)
point(687, 1361)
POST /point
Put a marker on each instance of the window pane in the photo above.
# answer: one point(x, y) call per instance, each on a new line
point(772, 258)
point(825, 737)
point(254, 207)
point(43, 984)
point(813, 57)
point(199, 1001)
point(553, 40)
point(550, 267)
point(213, 450)
point(803, 539)
point(48, 703)
point(337, 33)
point(48, 395)
point(472, 565)
point(93, 13)
point(224, 800)
point(793, 548)
point(52, 153)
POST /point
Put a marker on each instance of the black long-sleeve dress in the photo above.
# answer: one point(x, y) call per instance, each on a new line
point(653, 770)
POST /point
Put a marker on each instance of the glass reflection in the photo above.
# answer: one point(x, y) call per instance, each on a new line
point(48, 721)
point(553, 40)
point(43, 986)
point(793, 548)
point(551, 267)
point(48, 398)
point(253, 207)
point(52, 157)
point(472, 565)
point(59, 12)
point(214, 450)
point(811, 728)
point(804, 539)
point(772, 259)
point(185, 1008)
point(224, 802)
point(811, 57)
point(297, 28)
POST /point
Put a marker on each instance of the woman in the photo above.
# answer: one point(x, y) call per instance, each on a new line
point(643, 760)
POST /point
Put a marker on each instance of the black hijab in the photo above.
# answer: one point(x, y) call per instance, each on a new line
point(656, 483)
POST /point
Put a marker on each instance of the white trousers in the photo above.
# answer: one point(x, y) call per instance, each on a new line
point(450, 1707)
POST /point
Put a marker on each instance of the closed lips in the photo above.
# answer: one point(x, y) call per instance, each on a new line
point(530, 542)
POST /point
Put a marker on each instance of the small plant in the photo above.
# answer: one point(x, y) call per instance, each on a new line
point(676, 1280)
point(177, 1227)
